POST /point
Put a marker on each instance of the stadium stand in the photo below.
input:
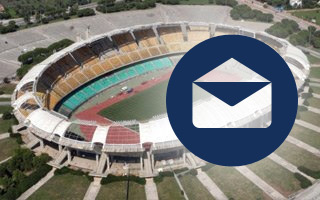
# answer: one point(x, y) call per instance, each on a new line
point(71, 102)
point(146, 38)
point(171, 34)
point(198, 34)
point(226, 30)
point(125, 42)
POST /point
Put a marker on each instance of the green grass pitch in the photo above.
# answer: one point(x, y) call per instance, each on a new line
point(141, 106)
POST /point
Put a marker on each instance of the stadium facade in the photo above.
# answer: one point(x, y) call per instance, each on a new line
point(42, 102)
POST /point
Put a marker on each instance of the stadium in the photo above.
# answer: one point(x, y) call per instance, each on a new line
point(98, 104)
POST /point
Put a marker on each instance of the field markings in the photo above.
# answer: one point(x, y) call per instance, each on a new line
point(270, 191)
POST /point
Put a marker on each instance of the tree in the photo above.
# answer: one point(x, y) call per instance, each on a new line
point(7, 115)
point(315, 42)
point(41, 160)
point(311, 30)
point(17, 176)
point(301, 38)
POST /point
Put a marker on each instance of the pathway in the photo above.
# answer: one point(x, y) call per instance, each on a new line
point(211, 186)
point(315, 79)
point(292, 168)
point(4, 136)
point(35, 187)
point(311, 193)
point(270, 191)
point(180, 186)
point(5, 96)
point(151, 189)
point(5, 160)
point(312, 109)
point(93, 189)
point(303, 145)
point(308, 125)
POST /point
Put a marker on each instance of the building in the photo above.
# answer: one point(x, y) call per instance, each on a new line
point(295, 3)
point(1, 8)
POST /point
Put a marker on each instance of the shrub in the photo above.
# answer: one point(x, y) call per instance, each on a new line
point(193, 172)
point(101, 8)
point(304, 182)
point(38, 161)
point(178, 171)
point(19, 139)
point(301, 38)
point(45, 20)
point(159, 178)
point(171, 2)
point(7, 115)
point(230, 3)
point(66, 170)
point(306, 95)
point(309, 172)
point(31, 58)
point(245, 12)
point(112, 178)
point(11, 27)
point(27, 182)
point(284, 28)
point(207, 167)
point(86, 12)
point(66, 16)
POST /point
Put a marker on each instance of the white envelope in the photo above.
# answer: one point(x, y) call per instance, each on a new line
point(253, 111)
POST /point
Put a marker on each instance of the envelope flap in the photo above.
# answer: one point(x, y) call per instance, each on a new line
point(232, 93)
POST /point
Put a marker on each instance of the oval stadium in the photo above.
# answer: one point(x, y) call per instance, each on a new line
point(102, 101)
point(97, 108)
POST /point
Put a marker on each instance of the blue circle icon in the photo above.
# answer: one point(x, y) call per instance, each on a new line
point(232, 100)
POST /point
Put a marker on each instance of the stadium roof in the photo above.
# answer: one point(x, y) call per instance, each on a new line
point(43, 120)
point(157, 131)
point(61, 128)
point(100, 134)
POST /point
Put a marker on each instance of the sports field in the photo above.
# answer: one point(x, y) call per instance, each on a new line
point(141, 106)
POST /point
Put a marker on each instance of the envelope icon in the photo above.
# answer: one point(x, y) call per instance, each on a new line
point(231, 96)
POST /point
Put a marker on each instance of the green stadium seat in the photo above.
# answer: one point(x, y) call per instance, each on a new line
point(97, 86)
